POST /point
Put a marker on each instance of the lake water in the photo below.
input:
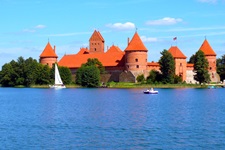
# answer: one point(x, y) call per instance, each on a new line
point(33, 118)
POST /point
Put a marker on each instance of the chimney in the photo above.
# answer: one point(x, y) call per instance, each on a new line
point(128, 41)
point(54, 48)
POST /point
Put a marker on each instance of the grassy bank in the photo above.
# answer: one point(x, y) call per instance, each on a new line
point(47, 86)
point(130, 85)
point(139, 85)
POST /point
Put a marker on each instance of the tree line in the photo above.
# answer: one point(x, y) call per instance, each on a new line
point(27, 72)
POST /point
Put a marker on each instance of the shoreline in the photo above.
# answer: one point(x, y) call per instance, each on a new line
point(122, 85)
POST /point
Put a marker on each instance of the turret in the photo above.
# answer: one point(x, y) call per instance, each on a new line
point(48, 56)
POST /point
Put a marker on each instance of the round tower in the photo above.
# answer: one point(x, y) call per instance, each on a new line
point(48, 56)
point(136, 56)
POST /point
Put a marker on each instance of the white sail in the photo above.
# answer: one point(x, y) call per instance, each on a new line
point(58, 81)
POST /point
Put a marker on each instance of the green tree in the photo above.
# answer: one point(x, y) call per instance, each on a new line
point(90, 76)
point(154, 77)
point(167, 67)
point(65, 74)
point(220, 66)
point(87, 75)
point(201, 68)
point(97, 63)
point(43, 75)
point(192, 59)
point(7, 75)
point(140, 78)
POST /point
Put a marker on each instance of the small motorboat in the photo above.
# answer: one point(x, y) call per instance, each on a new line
point(151, 91)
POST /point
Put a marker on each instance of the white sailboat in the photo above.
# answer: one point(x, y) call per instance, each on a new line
point(58, 80)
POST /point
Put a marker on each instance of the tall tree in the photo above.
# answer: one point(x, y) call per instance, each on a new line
point(97, 63)
point(192, 59)
point(88, 74)
point(167, 67)
point(65, 74)
point(154, 77)
point(220, 65)
point(201, 68)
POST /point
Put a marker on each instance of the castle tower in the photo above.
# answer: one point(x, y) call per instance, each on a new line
point(96, 43)
point(48, 56)
point(211, 57)
point(136, 56)
point(180, 62)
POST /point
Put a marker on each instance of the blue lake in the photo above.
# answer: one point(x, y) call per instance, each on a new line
point(80, 118)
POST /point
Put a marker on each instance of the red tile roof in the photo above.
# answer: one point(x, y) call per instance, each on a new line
point(96, 36)
point(114, 49)
point(153, 64)
point(113, 57)
point(207, 49)
point(83, 51)
point(136, 44)
point(48, 52)
point(190, 65)
point(176, 52)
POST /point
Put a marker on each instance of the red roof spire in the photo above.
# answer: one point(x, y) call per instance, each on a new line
point(96, 36)
point(176, 52)
point(207, 49)
point(136, 44)
point(49, 51)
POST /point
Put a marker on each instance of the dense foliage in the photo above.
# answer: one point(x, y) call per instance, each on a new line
point(140, 78)
point(88, 75)
point(29, 72)
point(167, 67)
point(220, 65)
point(192, 59)
point(154, 77)
point(201, 68)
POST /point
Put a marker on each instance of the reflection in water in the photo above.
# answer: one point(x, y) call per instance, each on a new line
point(111, 119)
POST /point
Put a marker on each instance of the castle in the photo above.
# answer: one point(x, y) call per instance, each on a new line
point(125, 66)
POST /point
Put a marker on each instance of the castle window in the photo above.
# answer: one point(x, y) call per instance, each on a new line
point(95, 49)
point(136, 60)
point(210, 68)
point(137, 66)
point(180, 64)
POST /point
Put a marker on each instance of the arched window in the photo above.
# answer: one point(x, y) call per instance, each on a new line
point(136, 60)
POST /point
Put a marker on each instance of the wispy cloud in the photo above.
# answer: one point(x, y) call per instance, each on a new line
point(122, 26)
point(33, 29)
point(40, 26)
point(148, 39)
point(164, 21)
point(207, 1)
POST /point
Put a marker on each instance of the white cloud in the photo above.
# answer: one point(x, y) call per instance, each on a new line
point(122, 26)
point(40, 26)
point(207, 1)
point(148, 39)
point(164, 21)
point(29, 30)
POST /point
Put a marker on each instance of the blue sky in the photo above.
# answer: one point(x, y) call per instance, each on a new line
point(26, 26)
